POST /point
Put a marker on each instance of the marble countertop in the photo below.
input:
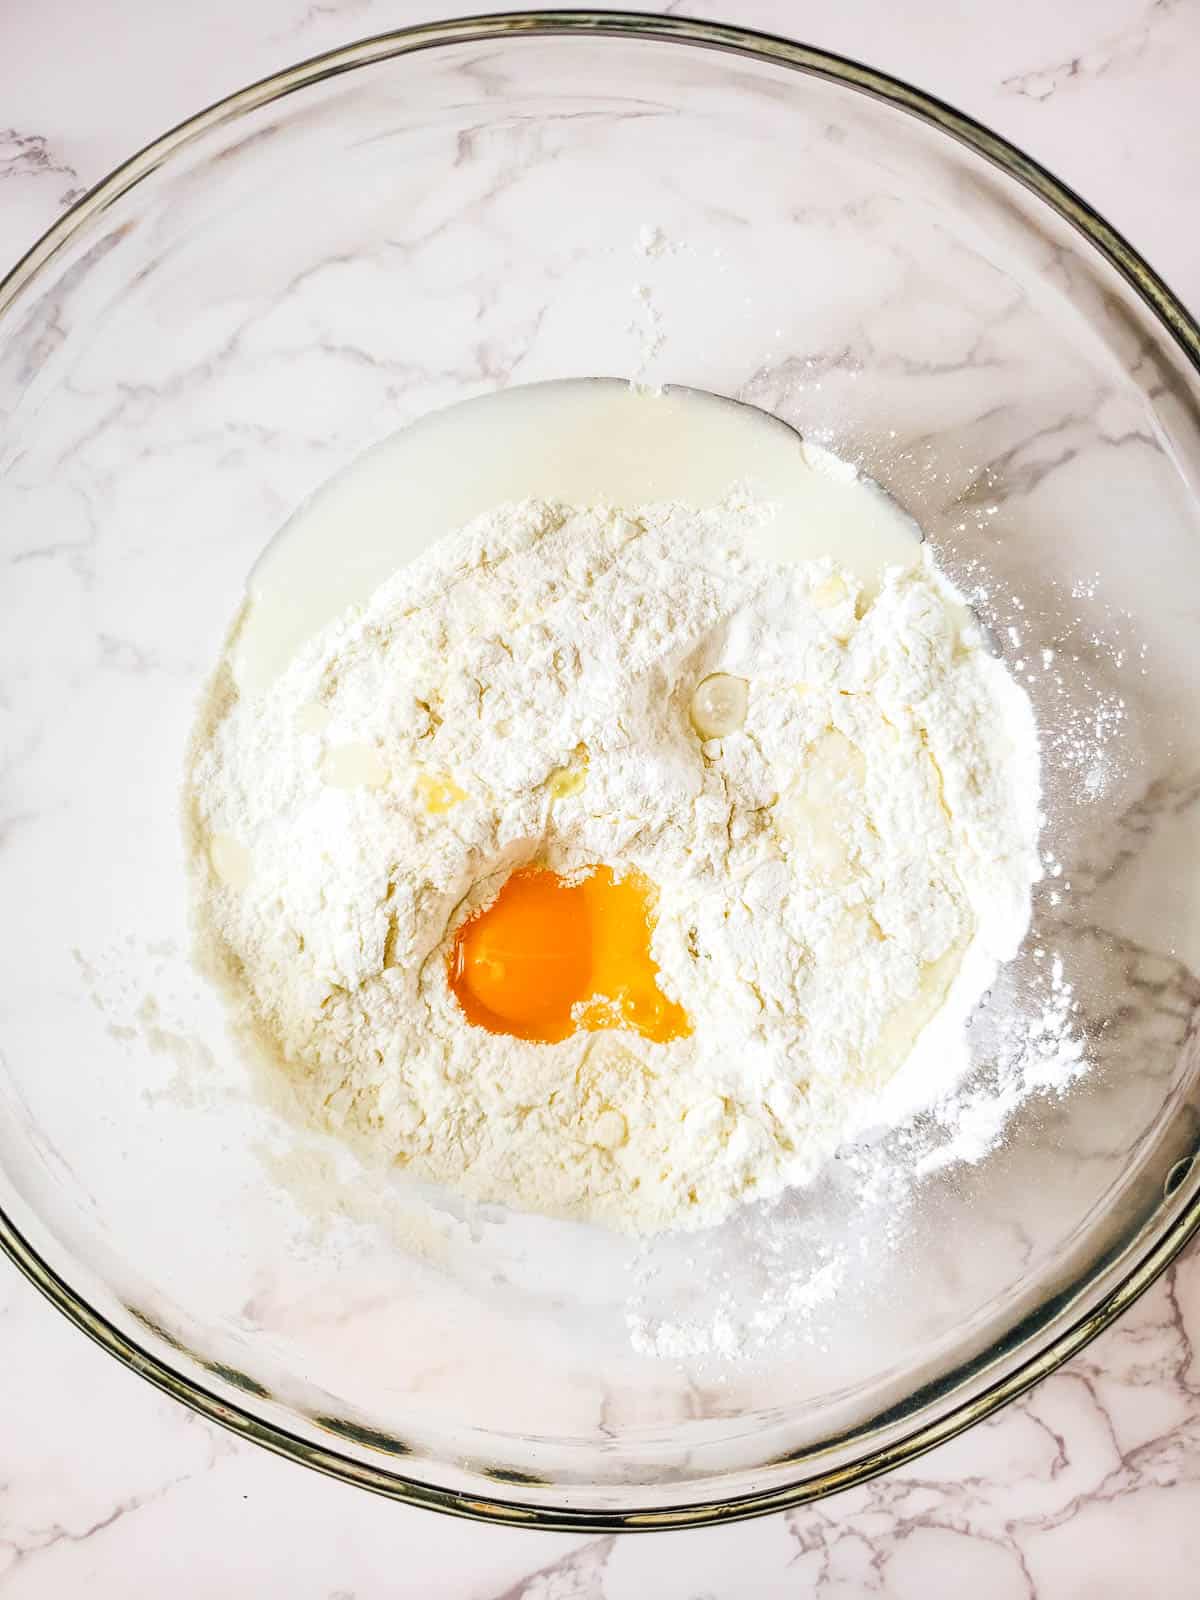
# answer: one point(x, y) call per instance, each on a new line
point(1090, 1485)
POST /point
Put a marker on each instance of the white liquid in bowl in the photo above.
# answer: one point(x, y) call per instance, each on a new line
point(585, 441)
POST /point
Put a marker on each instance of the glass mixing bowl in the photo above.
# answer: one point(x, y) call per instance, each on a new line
point(278, 283)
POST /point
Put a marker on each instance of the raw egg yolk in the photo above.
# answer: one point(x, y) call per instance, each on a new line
point(549, 956)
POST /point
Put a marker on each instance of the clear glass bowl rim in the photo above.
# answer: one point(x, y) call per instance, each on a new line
point(1161, 1248)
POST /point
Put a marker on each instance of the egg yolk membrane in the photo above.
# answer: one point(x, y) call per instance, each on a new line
point(550, 956)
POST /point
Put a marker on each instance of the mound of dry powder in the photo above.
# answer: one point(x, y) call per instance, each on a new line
point(850, 863)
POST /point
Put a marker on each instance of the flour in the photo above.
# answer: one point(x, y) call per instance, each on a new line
point(847, 867)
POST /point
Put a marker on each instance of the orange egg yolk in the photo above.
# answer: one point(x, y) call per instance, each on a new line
point(548, 957)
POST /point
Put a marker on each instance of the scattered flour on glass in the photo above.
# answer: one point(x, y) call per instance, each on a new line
point(1036, 1045)
point(1083, 715)
point(652, 243)
point(1076, 663)
point(1038, 1050)
point(837, 881)
point(735, 1328)
point(651, 246)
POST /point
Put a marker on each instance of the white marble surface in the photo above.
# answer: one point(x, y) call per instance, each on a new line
point(1090, 1485)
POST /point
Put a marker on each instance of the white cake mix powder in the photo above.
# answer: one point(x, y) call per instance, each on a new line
point(837, 877)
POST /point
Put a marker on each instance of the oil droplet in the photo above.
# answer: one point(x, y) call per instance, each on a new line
point(230, 860)
point(719, 705)
point(563, 782)
point(550, 956)
point(439, 792)
point(566, 781)
point(830, 593)
point(313, 718)
point(610, 1130)
point(810, 813)
point(353, 766)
